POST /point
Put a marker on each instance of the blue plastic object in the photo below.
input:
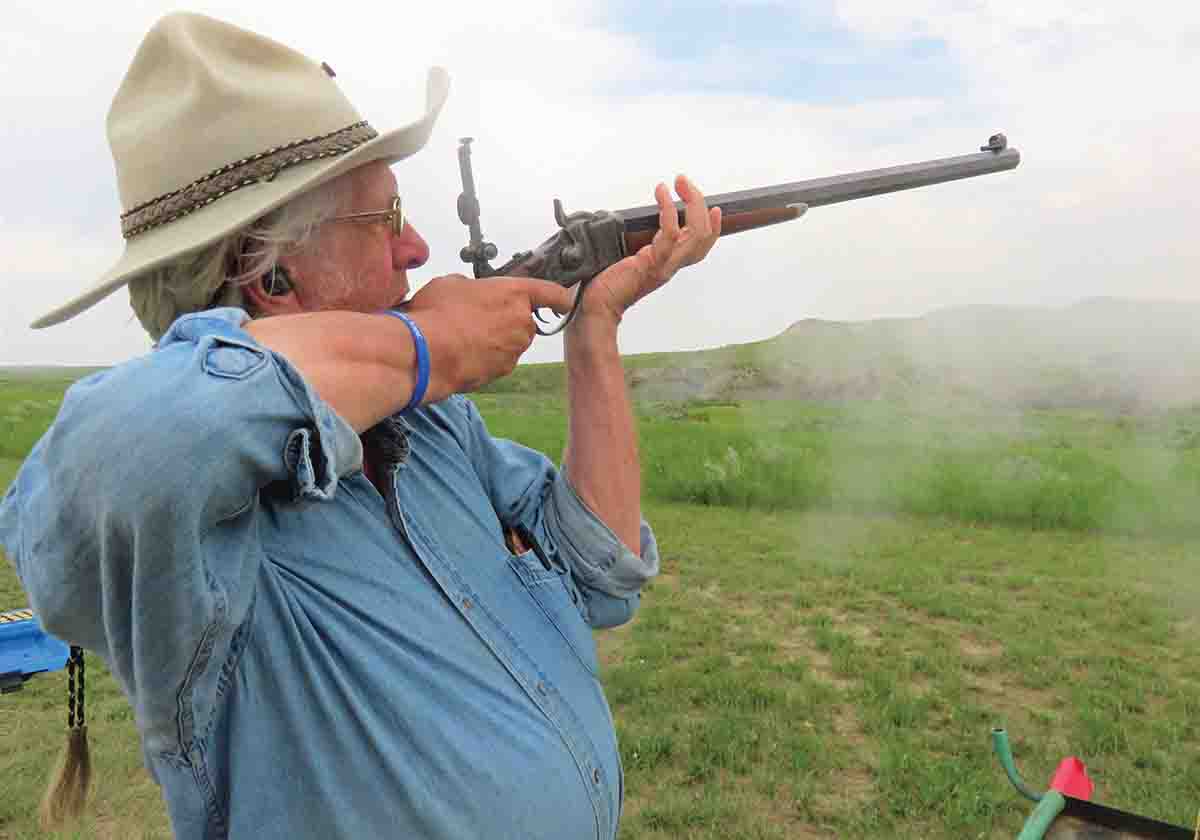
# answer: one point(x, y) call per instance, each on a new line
point(26, 649)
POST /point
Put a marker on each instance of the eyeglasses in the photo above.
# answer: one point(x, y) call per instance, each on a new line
point(394, 217)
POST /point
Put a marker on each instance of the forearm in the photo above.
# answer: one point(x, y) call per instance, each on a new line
point(363, 366)
point(601, 460)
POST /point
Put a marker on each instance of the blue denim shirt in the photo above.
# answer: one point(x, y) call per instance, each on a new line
point(308, 657)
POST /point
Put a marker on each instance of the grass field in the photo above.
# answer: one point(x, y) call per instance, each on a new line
point(851, 597)
point(1050, 469)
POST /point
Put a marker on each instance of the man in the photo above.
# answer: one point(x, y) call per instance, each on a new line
point(338, 606)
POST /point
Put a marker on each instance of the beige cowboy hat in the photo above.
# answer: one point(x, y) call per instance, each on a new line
point(213, 127)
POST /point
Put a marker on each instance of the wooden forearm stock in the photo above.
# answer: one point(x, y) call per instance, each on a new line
point(735, 223)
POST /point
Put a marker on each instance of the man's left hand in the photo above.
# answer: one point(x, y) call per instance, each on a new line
point(622, 285)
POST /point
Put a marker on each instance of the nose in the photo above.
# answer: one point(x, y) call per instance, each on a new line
point(409, 249)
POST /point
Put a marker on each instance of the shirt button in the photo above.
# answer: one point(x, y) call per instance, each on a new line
point(541, 686)
point(466, 602)
point(596, 775)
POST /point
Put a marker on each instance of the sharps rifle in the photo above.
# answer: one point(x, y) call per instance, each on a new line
point(586, 243)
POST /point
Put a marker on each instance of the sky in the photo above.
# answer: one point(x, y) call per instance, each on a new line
point(594, 103)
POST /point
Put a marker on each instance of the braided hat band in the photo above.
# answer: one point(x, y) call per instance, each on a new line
point(242, 173)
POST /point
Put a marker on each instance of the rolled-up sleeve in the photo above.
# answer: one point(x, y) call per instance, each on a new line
point(616, 570)
point(526, 489)
point(610, 576)
point(131, 524)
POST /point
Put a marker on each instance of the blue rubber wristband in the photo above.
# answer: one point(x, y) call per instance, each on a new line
point(422, 347)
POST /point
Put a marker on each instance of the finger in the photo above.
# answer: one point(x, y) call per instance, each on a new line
point(696, 212)
point(714, 226)
point(703, 245)
point(668, 216)
point(538, 293)
point(543, 293)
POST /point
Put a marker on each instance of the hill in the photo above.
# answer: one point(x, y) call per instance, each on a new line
point(1103, 353)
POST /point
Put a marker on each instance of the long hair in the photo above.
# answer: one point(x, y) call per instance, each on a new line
point(213, 276)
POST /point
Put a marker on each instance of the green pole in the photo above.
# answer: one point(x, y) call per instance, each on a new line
point(1004, 753)
point(1043, 816)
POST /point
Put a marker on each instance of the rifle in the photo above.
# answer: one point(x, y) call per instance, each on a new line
point(589, 242)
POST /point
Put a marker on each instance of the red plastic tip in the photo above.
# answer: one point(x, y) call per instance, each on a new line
point(1071, 779)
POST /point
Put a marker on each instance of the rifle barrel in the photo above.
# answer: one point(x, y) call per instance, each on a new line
point(817, 192)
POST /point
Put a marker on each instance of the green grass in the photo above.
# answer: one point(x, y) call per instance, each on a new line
point(27, 406)
point(1044, 470)
point(848, 604)
point(838, 675)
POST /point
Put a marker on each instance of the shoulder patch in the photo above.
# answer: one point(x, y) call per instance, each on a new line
point(232, 359)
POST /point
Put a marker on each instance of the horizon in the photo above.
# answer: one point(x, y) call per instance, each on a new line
point(1049, 308)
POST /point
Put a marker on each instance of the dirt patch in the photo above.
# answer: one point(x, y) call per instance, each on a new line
point(612, 643)
point(663, 580)
point(852, 787)
point(778, 808)
point(979, 649)
point(1188, 628)
point(108, 827)
point(862, 634)
point(855, 788)
point(917, 685)
point(848, 727)
point(797, 647)
point(949, 631)
point(1006, 698)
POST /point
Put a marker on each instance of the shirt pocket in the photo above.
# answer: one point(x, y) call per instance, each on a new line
point(555, 593)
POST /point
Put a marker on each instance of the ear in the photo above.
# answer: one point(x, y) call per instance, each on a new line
point(274, 293)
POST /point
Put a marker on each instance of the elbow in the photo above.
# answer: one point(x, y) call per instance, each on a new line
point(606, 611)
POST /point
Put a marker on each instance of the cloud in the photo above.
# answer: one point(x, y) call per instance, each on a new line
point(566, 103)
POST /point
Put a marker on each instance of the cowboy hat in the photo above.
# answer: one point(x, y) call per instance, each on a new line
point(213, 127)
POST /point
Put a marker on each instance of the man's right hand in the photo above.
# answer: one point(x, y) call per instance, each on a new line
point(364, 364)
point(478, 329)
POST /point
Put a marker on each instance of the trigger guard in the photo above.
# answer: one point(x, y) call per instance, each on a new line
point(554, 330)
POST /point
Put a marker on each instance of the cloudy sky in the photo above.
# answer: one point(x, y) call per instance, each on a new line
point(596, 102)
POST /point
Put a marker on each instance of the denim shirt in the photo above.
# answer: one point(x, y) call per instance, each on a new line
point(308, 657)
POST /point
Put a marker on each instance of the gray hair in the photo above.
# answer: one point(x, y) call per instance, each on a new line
point(214, 275)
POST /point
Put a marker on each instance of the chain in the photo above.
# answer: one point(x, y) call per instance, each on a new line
point(75, 708)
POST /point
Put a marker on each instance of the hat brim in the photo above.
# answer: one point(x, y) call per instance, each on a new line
point(203, 227)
